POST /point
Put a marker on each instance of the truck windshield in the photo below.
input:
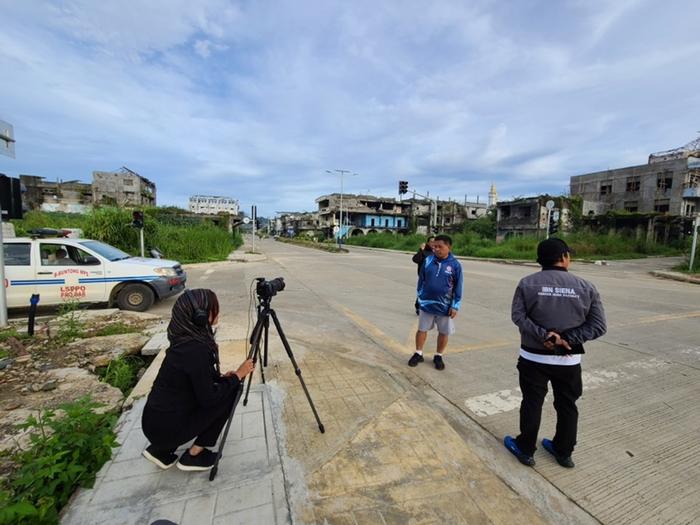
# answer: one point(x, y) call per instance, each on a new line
point(105, 250)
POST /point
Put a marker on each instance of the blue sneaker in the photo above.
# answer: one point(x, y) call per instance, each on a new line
point(512, 446)
point(564, 461)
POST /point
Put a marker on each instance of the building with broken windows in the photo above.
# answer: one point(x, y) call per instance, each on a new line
point(123, 187)
point(659, 186)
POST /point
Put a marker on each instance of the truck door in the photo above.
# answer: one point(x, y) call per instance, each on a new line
point(71, 274)
point(19, 273)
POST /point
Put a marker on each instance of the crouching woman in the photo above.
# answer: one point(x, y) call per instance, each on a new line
point(190, 398)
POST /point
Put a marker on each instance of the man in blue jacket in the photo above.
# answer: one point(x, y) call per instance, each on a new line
point(439, 297)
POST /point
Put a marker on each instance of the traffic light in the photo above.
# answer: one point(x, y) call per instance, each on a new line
point(137, 219)
point(403, 187)
point(553, 222)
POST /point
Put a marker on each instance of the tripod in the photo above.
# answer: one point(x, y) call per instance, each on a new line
point(261, 332)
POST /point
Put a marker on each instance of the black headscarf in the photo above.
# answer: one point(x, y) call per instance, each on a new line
point(182, 329)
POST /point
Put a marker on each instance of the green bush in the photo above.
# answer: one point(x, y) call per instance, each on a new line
point(178, 236)
point(65, 452)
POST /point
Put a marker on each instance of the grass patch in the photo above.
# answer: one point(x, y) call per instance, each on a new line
point(7, 333)
point(65, 453)
point(117, 329)
point(326, 246)
point(470, 244)
point(122, 373)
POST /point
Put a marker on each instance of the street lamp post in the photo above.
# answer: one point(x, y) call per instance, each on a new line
point(342, 172)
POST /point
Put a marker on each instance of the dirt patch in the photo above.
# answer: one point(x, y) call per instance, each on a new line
point(55, 366)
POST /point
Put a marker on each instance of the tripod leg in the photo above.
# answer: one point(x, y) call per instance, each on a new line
point(263, 358)
point(254, 352)
point(297, 370)
point(215, 468)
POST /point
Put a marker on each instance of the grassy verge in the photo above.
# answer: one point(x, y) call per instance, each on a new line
point(586, 246)
point(325, 246)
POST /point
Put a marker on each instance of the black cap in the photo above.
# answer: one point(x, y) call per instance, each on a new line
point(550, 251)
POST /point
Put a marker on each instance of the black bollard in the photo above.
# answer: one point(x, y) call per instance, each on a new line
point(33, 302)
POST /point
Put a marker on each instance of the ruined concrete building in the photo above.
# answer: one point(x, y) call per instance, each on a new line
point(659, 186)
point(122, 188)
point(363, 214)
point(70, 196)
point(528, 216)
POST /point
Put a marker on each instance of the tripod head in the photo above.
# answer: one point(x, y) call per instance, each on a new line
point(267, 289)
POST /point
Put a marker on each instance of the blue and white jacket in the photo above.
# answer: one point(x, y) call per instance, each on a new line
point(440, 285)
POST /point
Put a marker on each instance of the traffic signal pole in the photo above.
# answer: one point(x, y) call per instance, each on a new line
point(3, 296)
point(403, 188)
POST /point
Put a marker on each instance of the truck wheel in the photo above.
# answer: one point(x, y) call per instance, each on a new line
point(136, 297)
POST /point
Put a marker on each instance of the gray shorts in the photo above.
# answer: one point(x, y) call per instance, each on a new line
point(444, 323)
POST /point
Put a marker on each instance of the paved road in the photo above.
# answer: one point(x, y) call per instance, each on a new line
point(638, 458)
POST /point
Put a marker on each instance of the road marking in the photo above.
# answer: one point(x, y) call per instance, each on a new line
point(210, 270)
point(408, 348)
point(659, 318)
point(506, 400)
point(374, 331)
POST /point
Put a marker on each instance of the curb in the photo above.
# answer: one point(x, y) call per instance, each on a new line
point(676, 276)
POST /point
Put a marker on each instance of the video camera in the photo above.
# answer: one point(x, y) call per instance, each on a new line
point(267, 289)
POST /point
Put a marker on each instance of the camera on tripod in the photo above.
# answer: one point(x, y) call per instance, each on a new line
point(267, 289)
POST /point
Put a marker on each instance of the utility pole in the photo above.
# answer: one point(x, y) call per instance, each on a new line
point(7, 147)
point(696, 225)
point(254, 216)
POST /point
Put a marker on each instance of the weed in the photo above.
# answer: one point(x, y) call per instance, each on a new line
point(122, 372)
point(116, 329)
point(70, 327)
point(65, 452)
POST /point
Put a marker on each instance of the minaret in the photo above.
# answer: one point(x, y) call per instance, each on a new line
point(493, 196)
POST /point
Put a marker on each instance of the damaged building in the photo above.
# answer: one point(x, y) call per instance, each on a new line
point(70, 196)
point(364, 214)
point(660, 196)
point(123, 187)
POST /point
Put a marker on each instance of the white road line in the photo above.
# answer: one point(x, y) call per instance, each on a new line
point(506, 400)
point(210, 270)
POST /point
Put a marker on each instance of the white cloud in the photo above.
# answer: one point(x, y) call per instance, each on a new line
point(259, 98)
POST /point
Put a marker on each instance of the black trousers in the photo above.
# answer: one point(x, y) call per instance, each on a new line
point(567, 387)
point(168, 430)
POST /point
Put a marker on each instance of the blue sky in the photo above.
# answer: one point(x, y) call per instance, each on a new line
point(256, 99)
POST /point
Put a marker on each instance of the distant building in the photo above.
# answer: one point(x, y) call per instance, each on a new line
point(122, 188)
point(289, 224)
point(667, 184)
point(212, 204)
point(70, 196)
point(528, 216)
point(363, 214)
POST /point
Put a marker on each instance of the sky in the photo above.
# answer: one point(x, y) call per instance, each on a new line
point(255, 100)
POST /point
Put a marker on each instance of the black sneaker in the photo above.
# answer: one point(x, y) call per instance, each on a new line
point(564, 461)
point(415, 359)
point(203, 461)
point(164, 460)
point(438, 362)
point(512, 446)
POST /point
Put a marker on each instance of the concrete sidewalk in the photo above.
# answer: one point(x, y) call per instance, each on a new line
point(388, 456)
point(249, 487)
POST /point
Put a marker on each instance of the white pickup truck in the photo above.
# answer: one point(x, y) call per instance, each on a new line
point(60, 270)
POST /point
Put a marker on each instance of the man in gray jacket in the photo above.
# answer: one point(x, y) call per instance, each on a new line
point(556, 313)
